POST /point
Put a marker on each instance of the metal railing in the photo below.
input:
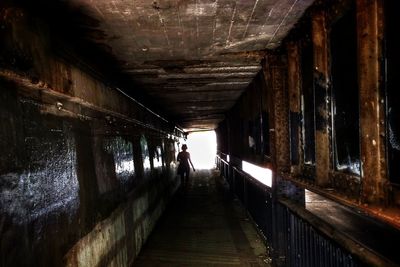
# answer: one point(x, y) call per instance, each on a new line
point(299, 244)
point(255, 196)
point(292, 239)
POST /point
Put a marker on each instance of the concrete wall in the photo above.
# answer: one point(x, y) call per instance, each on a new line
point(75, 186)
point(117, 240)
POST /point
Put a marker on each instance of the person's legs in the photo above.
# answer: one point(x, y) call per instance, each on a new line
point(187, 178)
point(182, 180)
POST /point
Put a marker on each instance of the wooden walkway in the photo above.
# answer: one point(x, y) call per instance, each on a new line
point(204, 226)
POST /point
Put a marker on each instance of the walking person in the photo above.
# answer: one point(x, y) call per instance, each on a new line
point(184, 167)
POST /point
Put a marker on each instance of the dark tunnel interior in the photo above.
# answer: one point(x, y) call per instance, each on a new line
point(97, 99)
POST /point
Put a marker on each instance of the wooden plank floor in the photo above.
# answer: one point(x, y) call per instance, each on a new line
point(204, 227)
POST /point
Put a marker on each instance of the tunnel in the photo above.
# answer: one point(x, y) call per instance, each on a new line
point(97, 99)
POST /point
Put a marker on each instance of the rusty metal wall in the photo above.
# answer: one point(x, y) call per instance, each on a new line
point(324, 161)
point(245, 133)
point(275, 71)
point(293, 240)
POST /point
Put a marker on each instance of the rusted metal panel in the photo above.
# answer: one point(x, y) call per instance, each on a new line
point(348, 185)
point(308, 108)
point(245, 124)
point(294, 80)
point(321, 87)
point(277, 74)
point(372, 126)
point(269, 106)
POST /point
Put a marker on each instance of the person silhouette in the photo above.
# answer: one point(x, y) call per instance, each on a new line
point(184, 167)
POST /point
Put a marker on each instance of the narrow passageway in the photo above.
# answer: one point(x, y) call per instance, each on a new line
point(204, 227)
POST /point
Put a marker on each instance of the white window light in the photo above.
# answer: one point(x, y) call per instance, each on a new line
point(263, 175)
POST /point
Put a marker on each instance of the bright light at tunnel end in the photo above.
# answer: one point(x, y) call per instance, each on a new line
point(202, 147)
point(263, 175)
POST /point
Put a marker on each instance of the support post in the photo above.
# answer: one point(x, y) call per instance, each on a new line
point(276, 77)
point(294, 105)
point(372, 115)
point(321, 89)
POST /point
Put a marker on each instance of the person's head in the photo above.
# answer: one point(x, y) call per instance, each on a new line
point(184, 147)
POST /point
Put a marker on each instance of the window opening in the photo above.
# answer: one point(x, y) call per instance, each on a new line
point(145, 153)
point(392, 90)
point(345, 94)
